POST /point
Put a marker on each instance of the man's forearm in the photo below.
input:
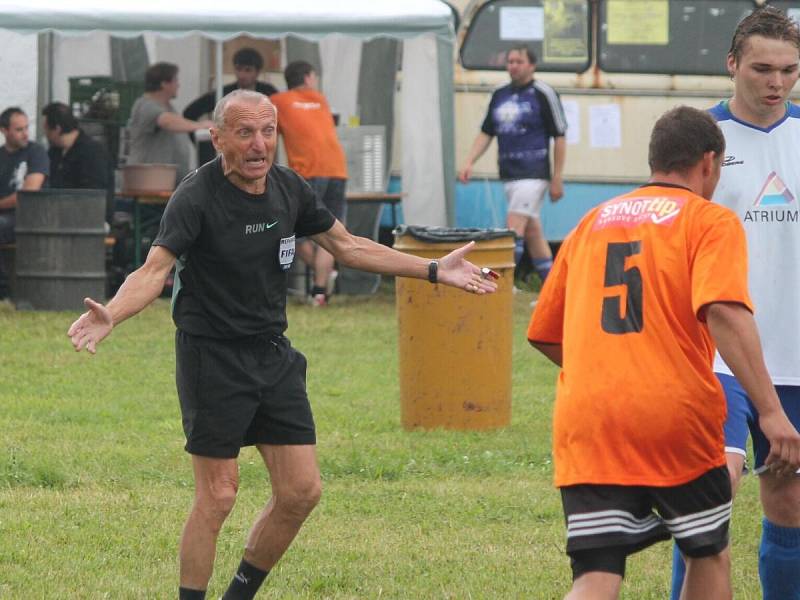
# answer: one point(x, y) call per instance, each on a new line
point(734, 331)
point(138, 290)
point(7, 202)
point(559, 156)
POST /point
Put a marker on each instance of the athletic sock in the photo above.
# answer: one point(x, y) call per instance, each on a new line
point(245, 583)
point(317, 290)
point(779, 562)
point(187, 594)
point(542, 267)
point(519, 251)
point(678, 572)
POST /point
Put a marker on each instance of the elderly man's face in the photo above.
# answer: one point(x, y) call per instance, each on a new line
point(248, 140)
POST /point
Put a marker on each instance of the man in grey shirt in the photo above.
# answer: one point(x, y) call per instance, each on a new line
point(155, 126)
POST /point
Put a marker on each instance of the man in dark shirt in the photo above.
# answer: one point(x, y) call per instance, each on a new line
point(76, 160)
point(23, 166)
point(524, 115)
point(247, 64)
point(231, 227)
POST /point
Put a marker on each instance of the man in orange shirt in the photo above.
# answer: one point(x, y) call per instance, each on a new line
point(640, 293)
point(314, 151)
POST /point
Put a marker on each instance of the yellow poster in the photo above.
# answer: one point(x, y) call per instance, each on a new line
point(643, 22)
point(566, 31)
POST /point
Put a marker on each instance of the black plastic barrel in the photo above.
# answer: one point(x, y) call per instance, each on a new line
point(60, 255)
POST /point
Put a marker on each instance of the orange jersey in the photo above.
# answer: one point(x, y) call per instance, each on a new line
point(637, 402)
point(309, 135)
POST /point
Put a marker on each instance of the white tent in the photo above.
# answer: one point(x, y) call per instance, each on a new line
point(425, 27)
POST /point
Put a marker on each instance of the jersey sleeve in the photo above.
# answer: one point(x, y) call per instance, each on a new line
point(487, 126)
point(312, 216)
point(182, 219)
point(199, 107)
point(555, 121)
point(719, 261)
point(38, 161)
point(547, 321)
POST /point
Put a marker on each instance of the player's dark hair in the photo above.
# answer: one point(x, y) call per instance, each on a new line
point(681, 137)
point(248, 57)
point(526, 50)
point(5, 116)
point(768, 22)
point(295, 73)
point(157, 74)
point(58, 114)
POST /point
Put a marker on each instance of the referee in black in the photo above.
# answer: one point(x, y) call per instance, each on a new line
point(231, 227)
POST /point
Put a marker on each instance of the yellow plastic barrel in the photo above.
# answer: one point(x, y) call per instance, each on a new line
point(455, 347)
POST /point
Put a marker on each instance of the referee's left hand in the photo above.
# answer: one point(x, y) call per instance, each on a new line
point(456, 271)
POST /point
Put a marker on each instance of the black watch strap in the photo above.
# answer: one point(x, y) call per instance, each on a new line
point(433, 271)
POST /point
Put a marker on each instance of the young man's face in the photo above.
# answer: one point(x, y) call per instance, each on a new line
point(248, 140)
point(764, 76)
point(246, 76)
point(17, 133)
point(171, 87)
point(53, 134)
point(519, 68)
point(312, 80)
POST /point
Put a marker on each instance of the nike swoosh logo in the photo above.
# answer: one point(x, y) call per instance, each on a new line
point(271, 225)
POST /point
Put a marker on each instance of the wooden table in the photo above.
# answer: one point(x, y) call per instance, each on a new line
point(377, 197)
point(148, 206)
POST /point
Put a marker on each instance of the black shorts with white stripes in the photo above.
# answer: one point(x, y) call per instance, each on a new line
point(618, 520)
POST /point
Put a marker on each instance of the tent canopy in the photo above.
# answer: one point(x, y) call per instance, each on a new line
point(425, 26)
point(312, 19)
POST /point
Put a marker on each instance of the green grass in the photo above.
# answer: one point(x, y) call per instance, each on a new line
point(95, 485)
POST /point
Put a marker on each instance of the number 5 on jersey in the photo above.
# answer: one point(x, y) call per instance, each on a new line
point(612, 320)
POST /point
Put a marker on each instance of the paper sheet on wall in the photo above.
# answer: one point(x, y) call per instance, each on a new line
point(521, 23)
point(605, 128)
point(644, 22)
point(573, 116)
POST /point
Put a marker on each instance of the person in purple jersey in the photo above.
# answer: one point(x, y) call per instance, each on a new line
point(524, 116)
point(761, 182)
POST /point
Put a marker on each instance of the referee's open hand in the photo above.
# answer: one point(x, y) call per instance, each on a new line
point(455, 270)
point(91, 327)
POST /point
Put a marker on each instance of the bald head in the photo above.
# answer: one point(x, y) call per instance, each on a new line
point(241, 99)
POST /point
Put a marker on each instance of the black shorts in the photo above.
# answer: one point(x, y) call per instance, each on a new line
point(606, 523)
point(241, 392)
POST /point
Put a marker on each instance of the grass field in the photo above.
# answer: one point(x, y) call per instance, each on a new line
point(95, 485)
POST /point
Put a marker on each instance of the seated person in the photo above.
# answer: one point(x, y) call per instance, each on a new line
point(23, 166)
point(76, 160)
point(247, 64)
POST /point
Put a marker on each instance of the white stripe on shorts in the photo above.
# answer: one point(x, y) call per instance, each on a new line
point(607, 521)
point(699, 522)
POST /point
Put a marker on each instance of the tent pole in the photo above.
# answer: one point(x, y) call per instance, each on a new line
point(218, 68)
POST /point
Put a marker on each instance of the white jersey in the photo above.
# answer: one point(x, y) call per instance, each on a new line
point(760, 182)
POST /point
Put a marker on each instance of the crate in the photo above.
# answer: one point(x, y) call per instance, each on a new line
point(103, 99)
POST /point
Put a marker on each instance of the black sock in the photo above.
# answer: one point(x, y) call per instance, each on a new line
point(187, 594)
point(245, 583)
point(317, 290)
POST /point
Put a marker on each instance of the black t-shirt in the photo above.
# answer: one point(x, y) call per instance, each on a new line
point(15, 166)
point(229, 281)
point(85, 166)
point(205, 104)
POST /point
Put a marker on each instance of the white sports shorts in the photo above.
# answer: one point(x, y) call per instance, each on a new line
point(526, 196)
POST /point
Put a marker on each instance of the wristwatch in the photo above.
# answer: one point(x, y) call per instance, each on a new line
point(433, 271)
